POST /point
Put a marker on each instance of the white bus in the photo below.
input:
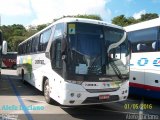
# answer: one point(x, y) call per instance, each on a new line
point(73, 62)
point(145, 58)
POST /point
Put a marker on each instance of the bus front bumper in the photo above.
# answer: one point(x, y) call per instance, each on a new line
point(83, 97)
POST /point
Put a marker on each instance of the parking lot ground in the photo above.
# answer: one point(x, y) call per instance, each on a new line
point(27, 103)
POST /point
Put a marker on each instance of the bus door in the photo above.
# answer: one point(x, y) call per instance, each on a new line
point(121, 52)
point(137, 69)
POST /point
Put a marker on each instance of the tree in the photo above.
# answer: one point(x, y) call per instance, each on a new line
point(124, 21)
point(92, 16)
point(16, 33)
point(120, 20)
point(14, 41)
point(18, 30)
point(40, 27)
point(12, 34)
point(31, 30)
point(148, 16)
point(131, 20)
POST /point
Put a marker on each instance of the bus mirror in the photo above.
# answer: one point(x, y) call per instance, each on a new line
point(4, 47)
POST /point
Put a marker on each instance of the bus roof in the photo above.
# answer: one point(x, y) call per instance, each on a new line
point(85, 20)
point(143, 25)
point(70, 19)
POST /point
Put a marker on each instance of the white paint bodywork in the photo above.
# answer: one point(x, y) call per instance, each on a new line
point(60, 90)
point(149, 73)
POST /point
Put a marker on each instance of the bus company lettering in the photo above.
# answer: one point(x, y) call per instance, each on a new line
point(39, 62)
point(145, 61)
point(90, 84)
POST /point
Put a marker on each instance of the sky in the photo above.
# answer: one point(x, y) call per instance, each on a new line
point(35, 12)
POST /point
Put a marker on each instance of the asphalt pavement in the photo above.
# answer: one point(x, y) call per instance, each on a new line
point(20, 101)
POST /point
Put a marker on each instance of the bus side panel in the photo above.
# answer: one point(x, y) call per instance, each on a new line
point(136, 72)
point(39, 61)
point(32, 65)
point(150, 63)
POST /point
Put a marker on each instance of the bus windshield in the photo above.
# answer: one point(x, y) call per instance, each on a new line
point(88, 44)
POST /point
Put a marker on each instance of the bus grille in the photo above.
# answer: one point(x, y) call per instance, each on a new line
point(102, 90)
point(96, 99)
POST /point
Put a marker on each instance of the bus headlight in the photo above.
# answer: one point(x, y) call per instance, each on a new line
point(72, 94)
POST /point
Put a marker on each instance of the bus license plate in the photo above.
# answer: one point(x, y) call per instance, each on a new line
point(103, 97)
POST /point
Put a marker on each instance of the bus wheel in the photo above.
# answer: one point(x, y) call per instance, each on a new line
point(47, 92)
point(22, 77)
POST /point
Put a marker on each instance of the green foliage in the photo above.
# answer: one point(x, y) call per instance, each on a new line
point(16, 33)
point(148, 16)
point(120, 20)
point(123, 21)
point(40, 27)
point(95, 17)
point(14, 41)
point(90, 16)
point(13, 34)
point(31, 30)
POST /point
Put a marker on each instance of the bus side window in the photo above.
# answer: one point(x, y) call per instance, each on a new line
point(156, 45)
point(19, 50)
point(24, 48)
point(29, 43)
point(141, 47)
point(55, 53)
point(56, 48)
point(35, 43)
point(138, 47)
point(44, 38)
point(58, 60)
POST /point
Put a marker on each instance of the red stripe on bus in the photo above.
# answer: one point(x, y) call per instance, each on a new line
point(146, 87)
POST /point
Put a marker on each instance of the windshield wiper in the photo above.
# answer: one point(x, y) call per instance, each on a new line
point(93, 63)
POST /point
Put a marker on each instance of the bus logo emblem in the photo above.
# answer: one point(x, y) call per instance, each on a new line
point(142, 62)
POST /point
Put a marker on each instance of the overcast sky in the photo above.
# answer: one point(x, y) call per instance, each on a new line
point(33, 12)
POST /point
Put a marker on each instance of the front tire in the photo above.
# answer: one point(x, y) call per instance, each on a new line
point(47, 92)
point(22, 77)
